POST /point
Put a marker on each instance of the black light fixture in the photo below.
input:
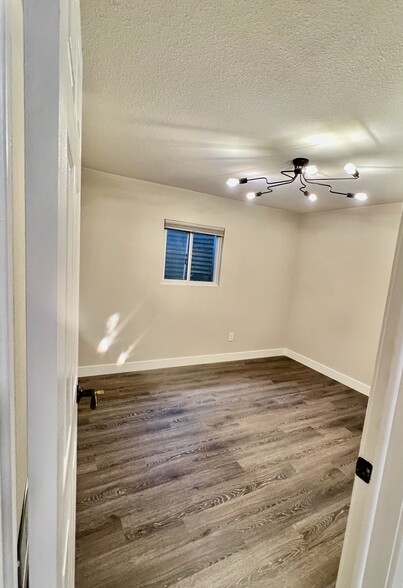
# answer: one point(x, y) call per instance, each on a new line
point(301, 170)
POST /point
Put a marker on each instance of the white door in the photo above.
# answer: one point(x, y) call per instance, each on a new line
point(53, 88)
point(372, 554)
point(387, 532)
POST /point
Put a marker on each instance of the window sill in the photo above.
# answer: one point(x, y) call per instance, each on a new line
point(188, 283)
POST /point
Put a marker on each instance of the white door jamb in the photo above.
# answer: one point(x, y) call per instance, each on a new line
point(378, 440)
point(8, 522)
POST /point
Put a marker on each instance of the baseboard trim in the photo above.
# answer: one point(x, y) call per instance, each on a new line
point(330, 372)
point(156, 364)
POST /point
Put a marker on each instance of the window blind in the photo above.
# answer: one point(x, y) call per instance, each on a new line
point(176, 255)
point(203, 257)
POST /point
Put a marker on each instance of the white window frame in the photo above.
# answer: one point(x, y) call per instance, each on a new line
point(218, 232)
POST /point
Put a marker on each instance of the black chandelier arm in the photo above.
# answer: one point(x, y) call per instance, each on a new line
point(258, 194)
point(282, 182)
point(275, 184)
point(253, 179)
point(271, 185)
point(313, 180)
point(341, 193)
point(317, 183)
point(303, 186)
point(286, 172)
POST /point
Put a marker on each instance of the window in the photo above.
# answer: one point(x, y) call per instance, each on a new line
point(192, 252)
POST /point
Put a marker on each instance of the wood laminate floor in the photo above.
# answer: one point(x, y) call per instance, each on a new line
point(233, 474)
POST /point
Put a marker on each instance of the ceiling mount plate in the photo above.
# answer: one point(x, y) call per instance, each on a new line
point(300, 162)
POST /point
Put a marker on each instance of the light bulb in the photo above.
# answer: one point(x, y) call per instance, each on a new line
point(232, 182)
point(250, 195)
point(350, 168)
point(361, 196)
point(312, 197)
point(312, 170)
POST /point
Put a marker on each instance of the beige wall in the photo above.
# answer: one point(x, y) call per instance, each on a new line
point(17, 89)
point(315, 284)
point(340, 285)
point(122, 256)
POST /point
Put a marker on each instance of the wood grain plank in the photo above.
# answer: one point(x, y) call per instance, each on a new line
point(234, 474)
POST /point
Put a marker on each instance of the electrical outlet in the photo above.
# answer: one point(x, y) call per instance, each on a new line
point(231, 336)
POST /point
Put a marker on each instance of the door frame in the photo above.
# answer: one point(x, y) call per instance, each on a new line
point(48, 120)
point(379, 442)
point(381, 404)
point(8, 516)
point(41, 103)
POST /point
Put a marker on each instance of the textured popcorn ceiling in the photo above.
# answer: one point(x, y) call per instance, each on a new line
point(191, 92)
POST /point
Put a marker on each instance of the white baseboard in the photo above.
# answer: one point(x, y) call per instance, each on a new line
point(155, 364)
point(330, 372)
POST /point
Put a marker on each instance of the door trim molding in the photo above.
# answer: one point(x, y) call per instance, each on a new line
point(8, 514)
point(41, 92)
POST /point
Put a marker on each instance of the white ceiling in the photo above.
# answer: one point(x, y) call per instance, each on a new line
point(191, 92)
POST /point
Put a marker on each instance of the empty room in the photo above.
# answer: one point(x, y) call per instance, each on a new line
point(204, 302)
point(234, 334)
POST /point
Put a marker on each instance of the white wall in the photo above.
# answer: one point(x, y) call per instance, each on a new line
point(340, 284)
point(122, 256)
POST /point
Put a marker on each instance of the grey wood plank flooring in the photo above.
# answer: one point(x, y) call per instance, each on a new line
point(213, 476)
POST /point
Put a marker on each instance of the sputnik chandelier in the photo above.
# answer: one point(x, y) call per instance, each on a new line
point(304, 172)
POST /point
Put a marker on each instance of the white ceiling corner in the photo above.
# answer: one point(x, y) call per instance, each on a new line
point(190, 92)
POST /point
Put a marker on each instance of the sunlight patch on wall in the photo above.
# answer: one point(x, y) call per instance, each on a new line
point(111, 333)
point(124, 356)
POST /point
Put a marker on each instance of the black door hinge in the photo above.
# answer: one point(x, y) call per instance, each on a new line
point(363, 469)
